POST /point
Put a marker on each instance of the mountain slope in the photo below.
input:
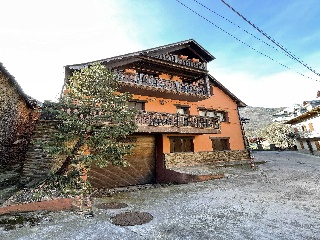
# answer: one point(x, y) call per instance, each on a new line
point(260, 117)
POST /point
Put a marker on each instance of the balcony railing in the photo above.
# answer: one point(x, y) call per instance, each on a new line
point(144, 118)
point(306, 134)
point(176, 120)
point(160, 84)
point(183, 61)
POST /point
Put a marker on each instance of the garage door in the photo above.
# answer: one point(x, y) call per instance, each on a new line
point(141, 169)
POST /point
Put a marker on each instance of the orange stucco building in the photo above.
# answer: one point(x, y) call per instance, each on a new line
point(185, 116)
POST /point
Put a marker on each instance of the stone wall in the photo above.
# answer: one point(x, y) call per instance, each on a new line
point(37, 164)
point(16, 123)
point(187, 159)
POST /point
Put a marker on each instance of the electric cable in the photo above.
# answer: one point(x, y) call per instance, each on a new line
point(271, 39)
point(272, 59)
point(239, 27)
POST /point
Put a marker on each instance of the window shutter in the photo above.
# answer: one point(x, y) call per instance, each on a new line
point(311, 127)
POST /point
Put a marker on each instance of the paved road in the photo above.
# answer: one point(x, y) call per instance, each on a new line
point(278, 200)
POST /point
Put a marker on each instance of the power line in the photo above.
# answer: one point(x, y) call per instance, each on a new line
point(271, 39)
point(199, 15)
point(238, 26)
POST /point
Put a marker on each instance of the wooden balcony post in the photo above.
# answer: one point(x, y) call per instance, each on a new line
point(207, 84)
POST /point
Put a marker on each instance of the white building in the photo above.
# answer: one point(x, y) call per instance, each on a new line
point(307, 129)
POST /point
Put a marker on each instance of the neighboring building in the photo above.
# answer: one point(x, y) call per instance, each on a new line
point(309, 105)
point(307, 129)
point(185, 118)
point(295, 110)
point(17, 116)
point(287, 113)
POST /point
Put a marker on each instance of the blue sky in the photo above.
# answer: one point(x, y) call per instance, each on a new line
point(37, 38)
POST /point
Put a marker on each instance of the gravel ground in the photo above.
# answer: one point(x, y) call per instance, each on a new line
point(278, 200)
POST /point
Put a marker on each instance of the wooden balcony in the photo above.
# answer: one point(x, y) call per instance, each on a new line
point(156, 122)
point(144, 84)
point(151, 122)
point(182, 60)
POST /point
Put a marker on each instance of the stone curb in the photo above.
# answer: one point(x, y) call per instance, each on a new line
point(49, 205)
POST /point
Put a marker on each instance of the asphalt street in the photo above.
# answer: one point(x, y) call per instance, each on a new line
point(279, 199)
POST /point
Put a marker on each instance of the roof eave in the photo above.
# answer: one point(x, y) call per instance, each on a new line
point(206, 55)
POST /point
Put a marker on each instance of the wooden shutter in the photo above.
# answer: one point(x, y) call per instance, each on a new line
point(311, 126)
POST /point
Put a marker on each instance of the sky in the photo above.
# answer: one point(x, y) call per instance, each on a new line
point(38, 38)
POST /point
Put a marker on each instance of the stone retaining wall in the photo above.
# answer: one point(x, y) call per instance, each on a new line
point(37, 164)
point(187, 159)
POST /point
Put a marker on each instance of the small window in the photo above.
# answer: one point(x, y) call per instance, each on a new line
point(211, 114)
point(183, 109)
point(207, 113)
point(202, 112)
point(223, 116)
point(220, 144)
point(138, 105)
point(181, 144)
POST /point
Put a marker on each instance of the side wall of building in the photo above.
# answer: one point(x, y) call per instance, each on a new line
point(16, 123)
point(308, 131)
point(220, 101)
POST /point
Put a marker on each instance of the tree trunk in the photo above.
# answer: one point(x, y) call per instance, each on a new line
point(64, 167)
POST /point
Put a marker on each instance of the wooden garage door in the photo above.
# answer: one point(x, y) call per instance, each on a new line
point(140, 171)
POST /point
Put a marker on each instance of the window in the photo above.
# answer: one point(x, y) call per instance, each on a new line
point(219, 144)
point(138, 105)
point(223, 116)
point(182, 109)
point(181, 144)
point(207, 113)
point(202, 112)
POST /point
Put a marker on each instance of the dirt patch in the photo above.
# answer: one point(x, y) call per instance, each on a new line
point(131, 218)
